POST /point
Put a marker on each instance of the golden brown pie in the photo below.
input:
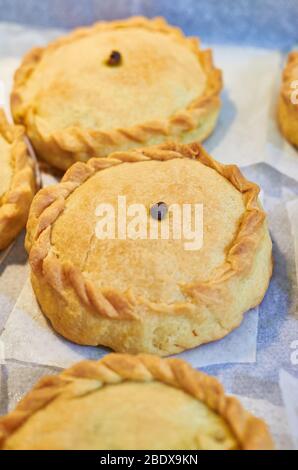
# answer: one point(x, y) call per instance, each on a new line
point(145, 293)
point(288, 101)
point(17, 181)
point(114, 86)
point(131, 402)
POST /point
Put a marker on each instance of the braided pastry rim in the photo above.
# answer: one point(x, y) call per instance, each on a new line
point(287, 111)
point(288, 77)
point(250, 432)
point(75, 141)
point(50, 202)
point(15, 202)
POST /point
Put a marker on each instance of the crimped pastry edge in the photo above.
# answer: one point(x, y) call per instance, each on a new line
point(287, 111)
point(49, 203)
point(15, 203)
point(64, 147)
point(250, 432)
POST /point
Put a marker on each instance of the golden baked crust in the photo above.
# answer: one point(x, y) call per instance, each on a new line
point(149, 295)
point(287, 110)
point(64, 411)
point(166, 88)
point(17, 181)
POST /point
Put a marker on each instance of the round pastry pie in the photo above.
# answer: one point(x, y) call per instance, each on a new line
point(125, 402)
point(151, 250)
point(114, 86)
point(288, 101)
point(17, 181)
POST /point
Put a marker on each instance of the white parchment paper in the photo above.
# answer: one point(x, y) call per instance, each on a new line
point(4, 253)
point(289, 389)
point(249, 76)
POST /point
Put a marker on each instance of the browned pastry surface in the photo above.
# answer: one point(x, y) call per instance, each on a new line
point(76, 103)
point(17, 181)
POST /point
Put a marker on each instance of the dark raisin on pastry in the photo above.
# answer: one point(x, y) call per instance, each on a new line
point(114, 59)
point(159, 210)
